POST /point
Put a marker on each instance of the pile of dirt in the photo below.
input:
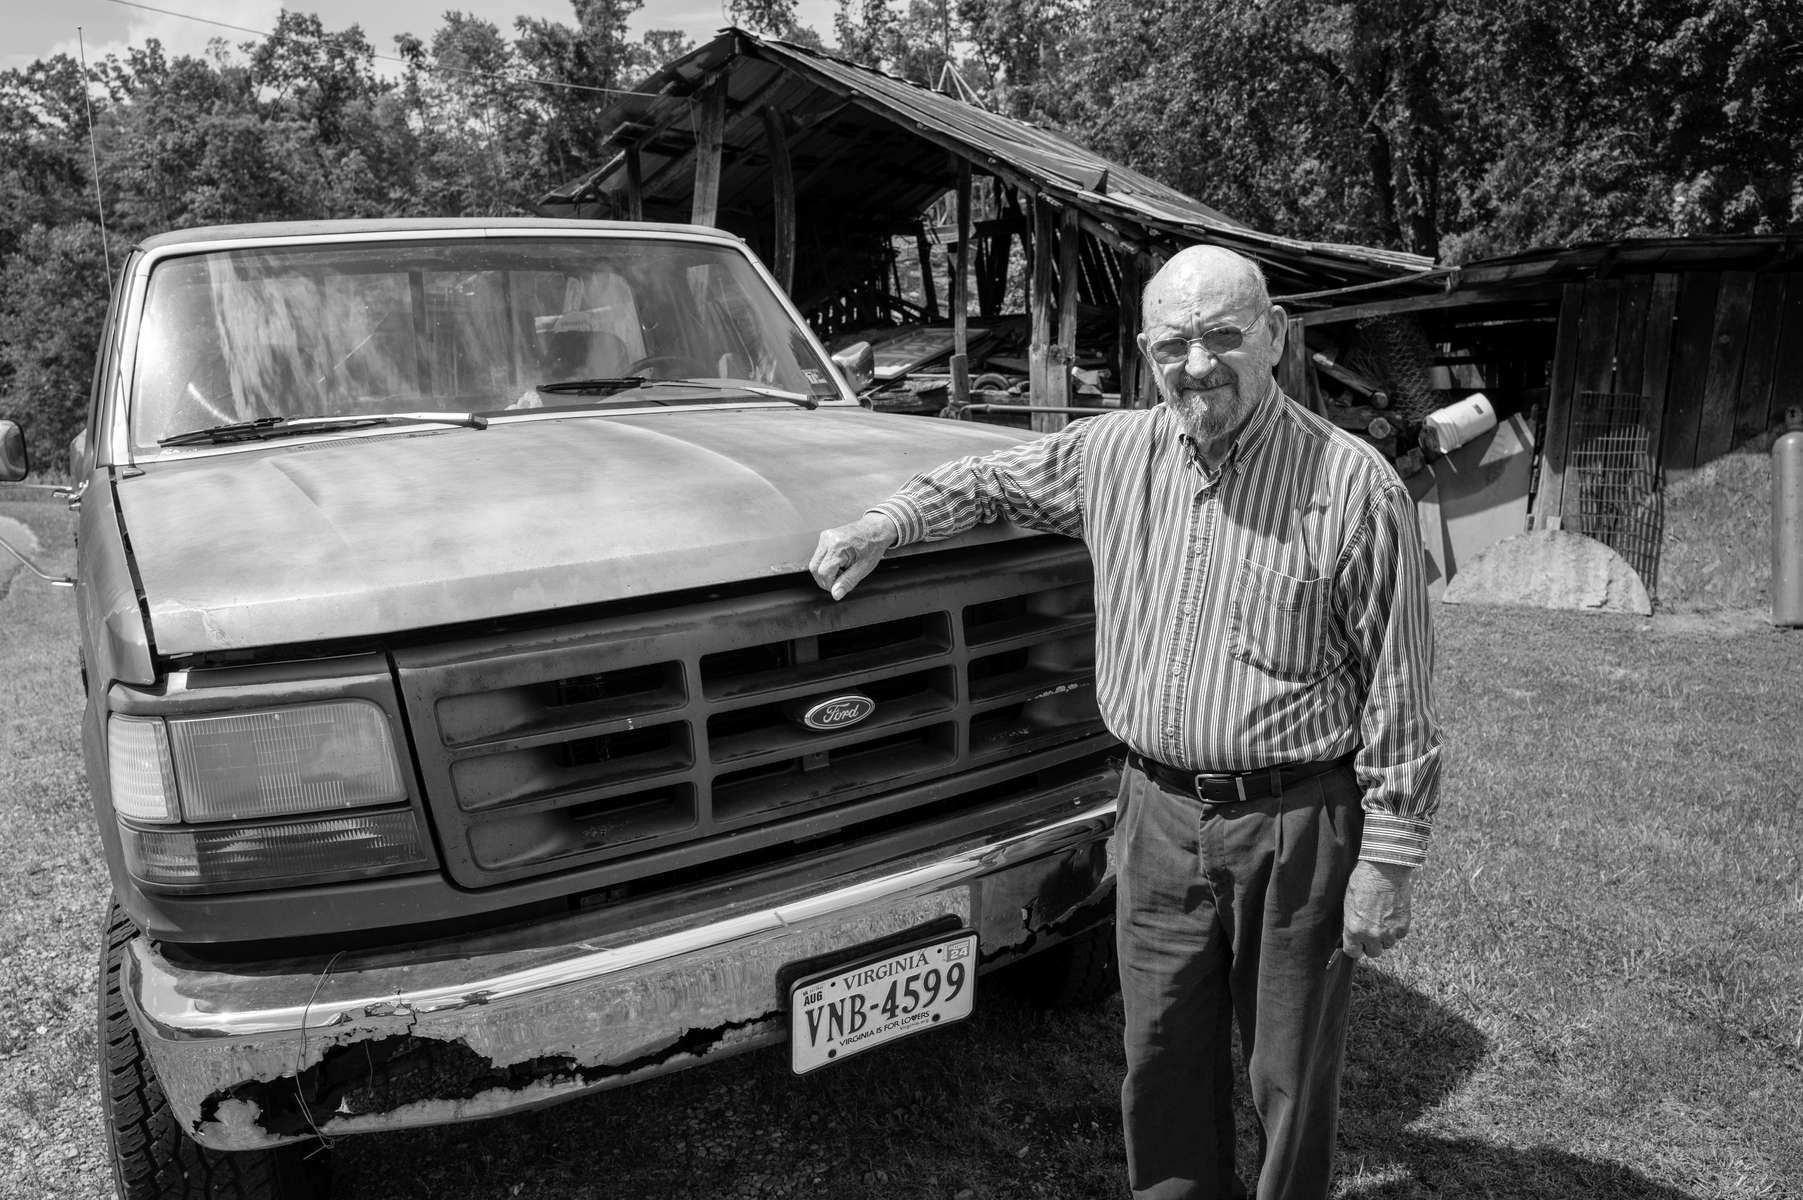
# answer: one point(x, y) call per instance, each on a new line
point(1717, 551)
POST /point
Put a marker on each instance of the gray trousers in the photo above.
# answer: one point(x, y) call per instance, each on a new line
point(1223, 913)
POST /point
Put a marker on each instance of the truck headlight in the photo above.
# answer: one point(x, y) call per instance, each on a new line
point(242, 778)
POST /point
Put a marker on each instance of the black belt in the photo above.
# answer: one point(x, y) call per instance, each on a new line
point(1231, 787)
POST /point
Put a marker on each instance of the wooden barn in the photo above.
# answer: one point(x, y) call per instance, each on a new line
point(1620, 363)
point(965, 246)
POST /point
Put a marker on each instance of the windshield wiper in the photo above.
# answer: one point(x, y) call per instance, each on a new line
point(607, 387)
point(592, 387)
point(264, 428)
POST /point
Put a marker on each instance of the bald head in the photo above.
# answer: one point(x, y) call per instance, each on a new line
point(1203, 276)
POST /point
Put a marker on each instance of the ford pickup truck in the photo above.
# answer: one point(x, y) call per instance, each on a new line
point(464, 730)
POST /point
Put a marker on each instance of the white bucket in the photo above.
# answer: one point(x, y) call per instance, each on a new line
point(1446, 429)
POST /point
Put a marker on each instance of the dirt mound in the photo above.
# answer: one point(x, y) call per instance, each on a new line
point(1717, 552)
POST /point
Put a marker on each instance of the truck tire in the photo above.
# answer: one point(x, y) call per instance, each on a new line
point(152, 1158)
point(1077, 973)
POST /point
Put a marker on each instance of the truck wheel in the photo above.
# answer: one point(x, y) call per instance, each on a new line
point(152, 1158)
point(1076, 973)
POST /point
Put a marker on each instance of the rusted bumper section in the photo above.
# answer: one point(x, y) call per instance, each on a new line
point(450, 1032)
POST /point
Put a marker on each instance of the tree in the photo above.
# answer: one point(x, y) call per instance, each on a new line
point(581, 64)
point(53, 296)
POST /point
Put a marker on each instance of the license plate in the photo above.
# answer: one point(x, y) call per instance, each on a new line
point(852, 1009)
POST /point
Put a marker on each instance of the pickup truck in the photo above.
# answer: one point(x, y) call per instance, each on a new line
point(464, 730)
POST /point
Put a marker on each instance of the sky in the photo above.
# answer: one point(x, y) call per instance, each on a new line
point(38, 29)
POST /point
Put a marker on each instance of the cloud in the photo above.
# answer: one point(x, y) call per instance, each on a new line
point(180, 34)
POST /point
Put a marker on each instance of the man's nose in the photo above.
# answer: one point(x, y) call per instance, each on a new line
point(1199, 361)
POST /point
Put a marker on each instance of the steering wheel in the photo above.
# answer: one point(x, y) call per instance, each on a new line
point(665, 366)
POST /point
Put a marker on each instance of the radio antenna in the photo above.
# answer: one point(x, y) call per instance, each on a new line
point(106, 255)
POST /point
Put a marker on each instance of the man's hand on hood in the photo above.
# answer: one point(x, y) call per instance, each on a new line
point(846, 554)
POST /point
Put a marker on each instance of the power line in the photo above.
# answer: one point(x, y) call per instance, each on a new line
point(263, 33)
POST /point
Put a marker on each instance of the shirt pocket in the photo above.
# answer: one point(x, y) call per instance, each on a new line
point(1280, 622)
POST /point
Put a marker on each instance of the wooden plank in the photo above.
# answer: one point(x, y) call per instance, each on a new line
point(1294, 366)
point(1040, 304)
point(1438, 300)
point(929, 284)
point(1128, 288)
point(1069, 272)
point(1630, 334)
point(782, 188)
point(635, 185)
point(1062, 356)
point(960, 290)
point(1596, 336)
point(710, 138)
point(1787, 364)
point(1727, 356)
point(1550, 501)
point(1755, 395)
point(1594, 371)
point(1656, 355)
point(1690, 367)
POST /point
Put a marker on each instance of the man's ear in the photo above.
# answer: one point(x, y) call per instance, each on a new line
point(1280, 328)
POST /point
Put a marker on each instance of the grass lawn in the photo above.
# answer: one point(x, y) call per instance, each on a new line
point(1603, 996)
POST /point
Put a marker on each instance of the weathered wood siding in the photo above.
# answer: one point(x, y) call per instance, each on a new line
point(1716, 357)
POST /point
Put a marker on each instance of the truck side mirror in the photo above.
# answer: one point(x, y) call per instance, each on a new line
point(15, 463)
point(857, 362)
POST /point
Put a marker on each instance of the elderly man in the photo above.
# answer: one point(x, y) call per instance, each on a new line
point(1263, 648)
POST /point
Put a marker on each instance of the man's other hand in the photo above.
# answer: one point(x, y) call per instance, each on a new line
point(1377, 908)
point(848, 553)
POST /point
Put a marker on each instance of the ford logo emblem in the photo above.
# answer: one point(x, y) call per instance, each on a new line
point(838, 712)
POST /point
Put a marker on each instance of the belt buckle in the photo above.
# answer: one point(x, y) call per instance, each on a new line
point(1239, 784)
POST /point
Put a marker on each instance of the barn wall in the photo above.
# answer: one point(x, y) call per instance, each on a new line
point(1715, 357)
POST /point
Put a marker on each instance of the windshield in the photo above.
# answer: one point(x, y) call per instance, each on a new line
point(457, 325)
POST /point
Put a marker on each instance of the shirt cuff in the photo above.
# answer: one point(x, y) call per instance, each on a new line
point(907, 521)
point(1388, 838)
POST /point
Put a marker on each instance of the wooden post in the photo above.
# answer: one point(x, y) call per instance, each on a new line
point(782, 183)
point(1063, 356)
point(1042, 298)
point(1127, 289)
point(709, 141)
point(929, 286)
point(960, 292)
point(635, 185)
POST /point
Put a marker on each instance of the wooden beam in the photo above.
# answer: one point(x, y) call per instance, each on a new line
point(782, 186)
point(1041, 301)
point(1691, 336)
point(929, 282)
point(1656, 355)
point(1459, 299)
point(960, 289)
point(1129, 286)
point(635, 185)
point(1727, 353)
point(1762, 353)
point(1069, 273)
point(710, 139)
point(1549, 500)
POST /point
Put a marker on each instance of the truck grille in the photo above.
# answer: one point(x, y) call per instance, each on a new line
point(603, 742)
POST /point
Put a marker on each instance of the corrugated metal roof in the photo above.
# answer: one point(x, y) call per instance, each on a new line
point(1135, 205)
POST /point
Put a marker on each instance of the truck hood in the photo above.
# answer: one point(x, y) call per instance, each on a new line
point(367, 535)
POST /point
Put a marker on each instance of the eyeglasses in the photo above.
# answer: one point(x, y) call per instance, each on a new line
point(1222, 339)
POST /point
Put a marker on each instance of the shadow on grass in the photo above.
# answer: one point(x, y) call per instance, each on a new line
point(1407, 1054)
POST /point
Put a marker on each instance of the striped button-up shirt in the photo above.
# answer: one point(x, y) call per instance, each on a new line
point(1274, 611)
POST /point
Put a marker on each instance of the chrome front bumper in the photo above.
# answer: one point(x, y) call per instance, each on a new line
point(254, 1058)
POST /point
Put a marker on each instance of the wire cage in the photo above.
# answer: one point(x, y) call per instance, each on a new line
point(1613, 470)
